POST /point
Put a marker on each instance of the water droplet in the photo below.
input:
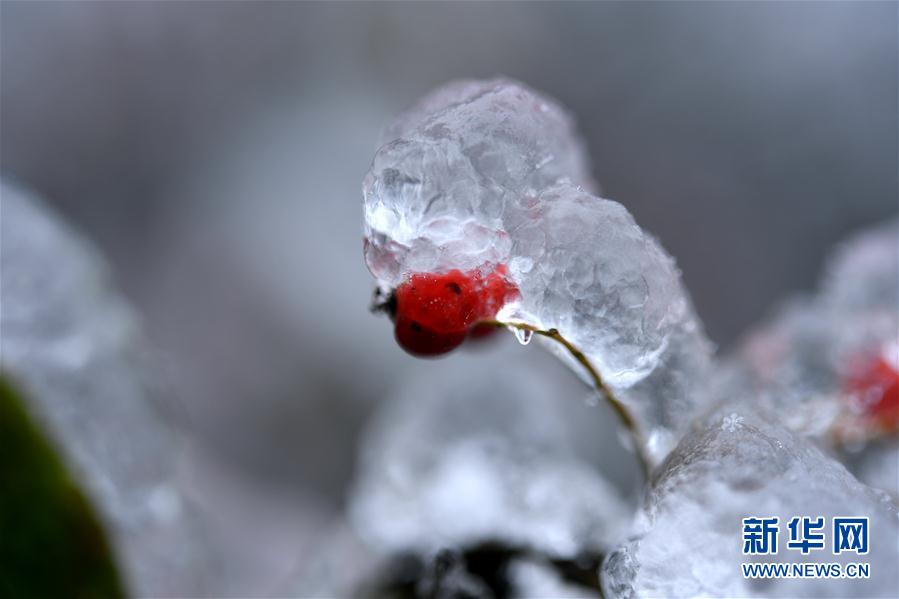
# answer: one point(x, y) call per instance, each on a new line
point(592, 401)
point(524, 336)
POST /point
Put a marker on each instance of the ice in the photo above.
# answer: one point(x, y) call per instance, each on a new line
point(437, 191)
point(803, 361)
point(472, 454)
point(803, 356)
point(74, 345)
point(687, 540)
point(487, 173)
point(789, 365)
point(613, 292)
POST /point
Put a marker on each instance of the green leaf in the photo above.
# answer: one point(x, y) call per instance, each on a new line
point(51, 542)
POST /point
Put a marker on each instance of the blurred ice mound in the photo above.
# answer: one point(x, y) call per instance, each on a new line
point(807, 363)
point(73, 343)
point(183, 521)
point(737, 464)
point(479, 453)
point(487, 173)
point(512, 410)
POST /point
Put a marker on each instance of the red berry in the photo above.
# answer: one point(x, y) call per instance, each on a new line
point(481, 331)
point(421, 341)
point(874, 389)
point(436, 312)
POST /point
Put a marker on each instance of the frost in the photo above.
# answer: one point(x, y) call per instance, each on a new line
point(687, 540)
point(474, 455)
point(487, 173)
point(74, 345)
point(732, 422)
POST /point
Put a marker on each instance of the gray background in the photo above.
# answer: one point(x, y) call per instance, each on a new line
point(215, 153)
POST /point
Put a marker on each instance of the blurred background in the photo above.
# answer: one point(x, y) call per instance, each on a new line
point(215, 152)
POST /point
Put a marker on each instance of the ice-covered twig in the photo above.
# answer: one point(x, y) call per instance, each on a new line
point(480, 206)
point(624, 415)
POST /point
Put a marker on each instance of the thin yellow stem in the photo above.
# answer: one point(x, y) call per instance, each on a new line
point(604, 391)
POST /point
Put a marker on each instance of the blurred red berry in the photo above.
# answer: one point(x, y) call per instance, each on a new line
point(434, 313)
point(874, 390)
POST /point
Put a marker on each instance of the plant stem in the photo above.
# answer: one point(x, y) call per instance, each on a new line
point(604, 391)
